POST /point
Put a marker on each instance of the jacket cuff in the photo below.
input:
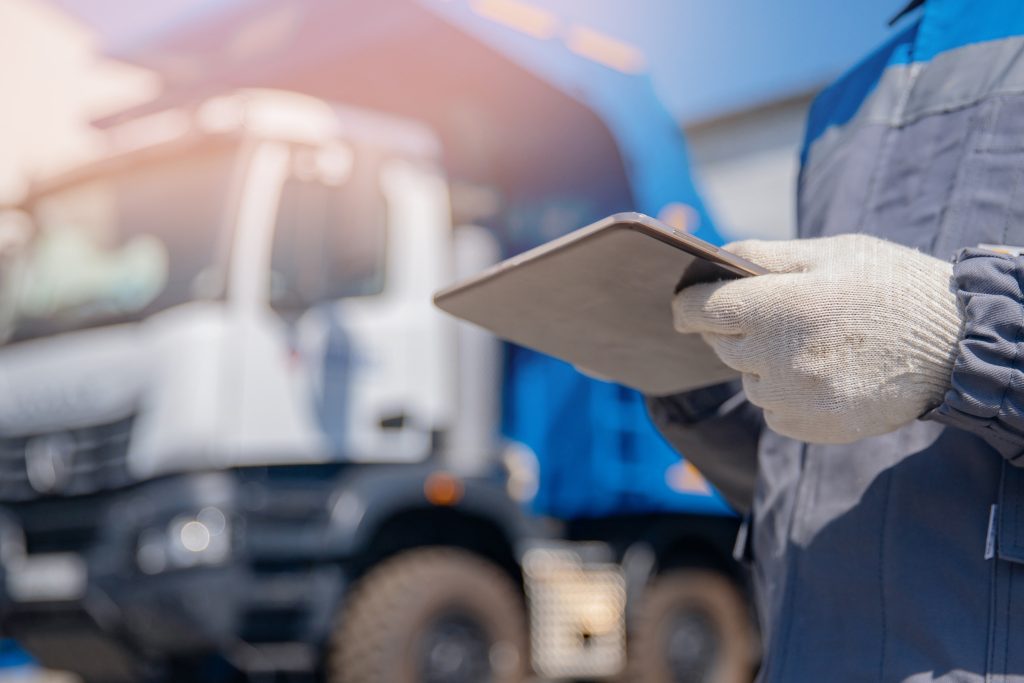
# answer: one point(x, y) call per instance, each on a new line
point(692, 407)
point(986, 394)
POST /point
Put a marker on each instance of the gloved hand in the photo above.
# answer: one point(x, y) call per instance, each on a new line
point(850, 336)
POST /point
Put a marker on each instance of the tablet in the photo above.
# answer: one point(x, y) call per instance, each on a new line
point(600, 298)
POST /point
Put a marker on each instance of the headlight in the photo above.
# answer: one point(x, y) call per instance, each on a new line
point(188, 541)
point(523, 470)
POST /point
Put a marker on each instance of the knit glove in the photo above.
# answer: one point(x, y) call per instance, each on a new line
point(849, 337)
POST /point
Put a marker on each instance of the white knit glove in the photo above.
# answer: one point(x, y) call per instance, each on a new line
point(849, 337)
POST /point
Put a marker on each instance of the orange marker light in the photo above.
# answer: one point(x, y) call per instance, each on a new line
point(604, 49)
point(679, 216)
point(442, 489)
point(520, 16)
point(685, 478)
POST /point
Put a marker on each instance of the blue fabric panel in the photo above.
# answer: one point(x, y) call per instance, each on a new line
point(838, 103)
point(945, 25)
point(949, 24)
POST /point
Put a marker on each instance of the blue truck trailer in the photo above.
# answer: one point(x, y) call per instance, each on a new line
point(237, 437)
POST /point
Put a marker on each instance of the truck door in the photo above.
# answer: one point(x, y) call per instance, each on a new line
point(355, 295)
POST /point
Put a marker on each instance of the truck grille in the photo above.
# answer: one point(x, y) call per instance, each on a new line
point(59, 526)
point(89, 459)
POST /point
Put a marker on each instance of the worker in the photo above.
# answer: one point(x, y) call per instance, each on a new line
point(876, 438)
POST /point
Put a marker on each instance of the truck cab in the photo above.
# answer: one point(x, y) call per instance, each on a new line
point(225, 391)
point(253, 290)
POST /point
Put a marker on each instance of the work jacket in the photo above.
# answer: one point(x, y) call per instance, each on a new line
point(901, 557)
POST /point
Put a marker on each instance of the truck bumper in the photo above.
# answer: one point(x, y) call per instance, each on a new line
point(116, 617)
point(113, 635)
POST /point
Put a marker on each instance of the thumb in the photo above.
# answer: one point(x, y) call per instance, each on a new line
point(715, 307)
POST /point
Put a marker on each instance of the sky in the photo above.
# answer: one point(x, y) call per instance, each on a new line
point(706, 57)
point(710, 57)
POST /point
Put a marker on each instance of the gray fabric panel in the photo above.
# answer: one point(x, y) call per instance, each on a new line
point(921, 167)
point(869, 557)
point(879, 109)
point(939, 184)
point(850, 562)
point(953, 80)
point(833, 196)
point(964, 76)
point(977, 201)
point(888, 99)
point(780, 472)
point(935, 578)
point(873, 581)
point(1010, 515)
point(1007, 630)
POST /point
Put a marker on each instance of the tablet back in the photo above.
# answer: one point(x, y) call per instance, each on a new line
point(599, 298)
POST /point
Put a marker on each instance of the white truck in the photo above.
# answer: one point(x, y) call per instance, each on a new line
point(235, 435)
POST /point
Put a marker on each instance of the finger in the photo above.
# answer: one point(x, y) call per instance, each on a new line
point(778, 256)
point(735, 351)
point(797, 256)
point(757, 390)
point(710, 307)
point(775, 402)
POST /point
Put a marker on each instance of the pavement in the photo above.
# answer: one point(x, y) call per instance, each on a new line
point(31, 674)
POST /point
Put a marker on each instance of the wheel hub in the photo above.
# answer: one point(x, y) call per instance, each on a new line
point(692, 647)
point(455, 649)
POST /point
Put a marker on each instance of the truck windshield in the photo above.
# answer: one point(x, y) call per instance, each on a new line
point(120, 246)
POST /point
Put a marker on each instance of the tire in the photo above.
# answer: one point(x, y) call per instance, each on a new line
point(692, 626)
point(431, 615)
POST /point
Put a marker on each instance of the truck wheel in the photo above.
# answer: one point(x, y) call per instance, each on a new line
point(692, 626)
point(431, 615)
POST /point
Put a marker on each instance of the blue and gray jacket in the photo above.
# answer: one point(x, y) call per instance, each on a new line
point(901, 557)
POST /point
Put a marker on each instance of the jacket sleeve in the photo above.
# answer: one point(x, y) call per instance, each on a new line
point(717, 430)
point(986, 394)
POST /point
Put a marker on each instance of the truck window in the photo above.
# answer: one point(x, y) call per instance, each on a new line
point(329, 240)
point(121, 245)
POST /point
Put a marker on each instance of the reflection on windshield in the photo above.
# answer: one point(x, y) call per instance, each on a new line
point(118, 247)
point(71, 267)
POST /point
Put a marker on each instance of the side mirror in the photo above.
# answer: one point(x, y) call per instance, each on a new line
point(15, 231)
point(475, 248)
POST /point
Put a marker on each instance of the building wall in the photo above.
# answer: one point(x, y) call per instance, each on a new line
point(52, 84)
point(746, 165)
